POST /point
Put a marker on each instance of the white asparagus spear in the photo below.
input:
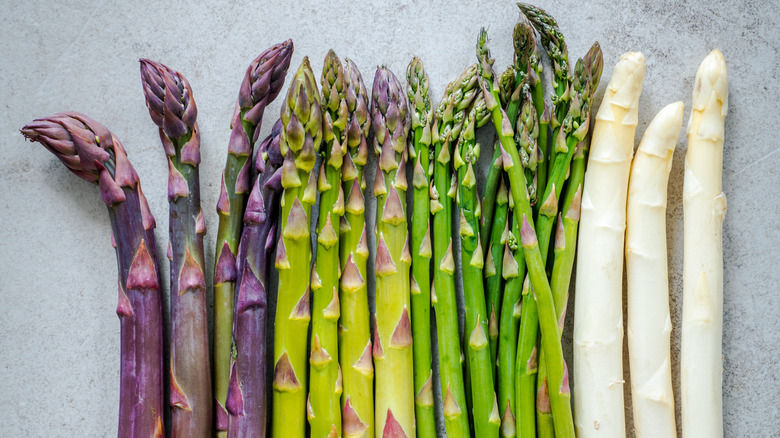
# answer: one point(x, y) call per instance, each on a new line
point(598, 317)
point(649, 323)
point(704, 208)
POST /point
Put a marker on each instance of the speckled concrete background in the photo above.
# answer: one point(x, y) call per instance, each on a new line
point(59, 342)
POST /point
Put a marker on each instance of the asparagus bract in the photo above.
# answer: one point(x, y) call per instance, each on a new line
point(247, 397)
point(324, 405)
point(704, 207)
point(300, 139)
point(480, 361)
point(263, 81)
point(419, 151)
point(598, 321)
point(355, 328)
point(647, 295)
point(92, 152)
point(172, 108)
point(513, 164)
point(393, 359)
point(449, 118)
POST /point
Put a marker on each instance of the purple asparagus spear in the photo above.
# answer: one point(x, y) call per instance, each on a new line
point(247, 397)
point(262, 83)
point(92, 152)
point(172, 108)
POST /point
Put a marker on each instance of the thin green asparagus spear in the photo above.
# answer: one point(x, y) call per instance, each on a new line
point(301, 137)
point(480, 363)
point(393, 356)
point(559, 398)
point(449, 119)
point(494, 262)
point(419, 151)
point(262, 83)
point(526, 363)
point(357, 367)
point(324, 404)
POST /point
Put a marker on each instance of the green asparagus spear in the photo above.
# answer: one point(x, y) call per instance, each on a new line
point(419, 151)
point(300, 139)
point(393, 356)
point(494, 262)
point(448, 122)
point(324, 405)
point(355, 330)
point(561, 406)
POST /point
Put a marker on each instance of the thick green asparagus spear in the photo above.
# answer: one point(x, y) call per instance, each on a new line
point(172, 108)
point(449, 119)
point(419, 151)
point(89, 150)
point(561, 407)
point(262, 83)
point(393, 356)
point(324, 405)
point(480, 365)
point(300, 139)
point(357, 367)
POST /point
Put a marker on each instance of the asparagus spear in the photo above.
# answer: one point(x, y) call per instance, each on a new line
point(647, 294)
point(392, 327)
point(247, 394)
point(448, 121)
point(93, 153)
point(324, 409)
point(512, 163)
point(598, 322)
point(355, 330)
point(528, 128)
point(300, 139)
point(480, 365)
point(263, 81)
point(494, 262)
point(704, 207)
point(172, 108)
point(419, 151)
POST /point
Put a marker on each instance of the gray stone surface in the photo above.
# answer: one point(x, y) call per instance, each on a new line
point(59, 348)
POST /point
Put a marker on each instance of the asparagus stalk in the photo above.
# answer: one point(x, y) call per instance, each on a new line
point(93, 153)
point(300, 139)
point(480, 364)
point(526, 365)
point(649, 323)
point(263, 81)
point(449, 118)
point(419, 151)
point(394, 409)
point(355, 330)
point(598, 322)
point(324, 407)
point(247, 394)
point(559, 399)
point(704, 206)
point(494, 264)
point(528, 128)
point(172, 108)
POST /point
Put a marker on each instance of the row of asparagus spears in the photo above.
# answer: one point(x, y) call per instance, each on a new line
point(357, 374)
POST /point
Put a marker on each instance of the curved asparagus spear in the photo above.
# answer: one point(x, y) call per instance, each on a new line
point(172, 108)
point(247, 394)
point(324, 404)
point(704, 207)
point(263, 81)
point(448, 121)
point(392, 326)
point(649, 323)
point(357, 368)
point(559, 399)
point(300, 139)
point(598, 321)
point(480, 364)
point(419, 151)
point(92, 152)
